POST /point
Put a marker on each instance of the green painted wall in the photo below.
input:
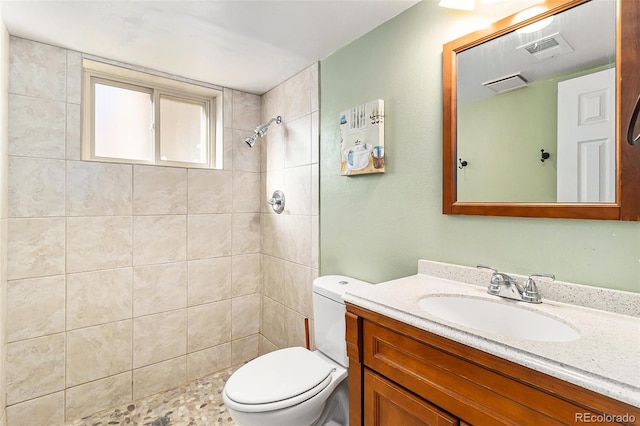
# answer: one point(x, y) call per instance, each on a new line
point(376, 227)
point(511, 170)
point(528, 118)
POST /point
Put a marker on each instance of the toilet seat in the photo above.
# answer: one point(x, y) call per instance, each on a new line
point(277, 380)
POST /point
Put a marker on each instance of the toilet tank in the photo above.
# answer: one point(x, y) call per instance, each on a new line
point(328, 314)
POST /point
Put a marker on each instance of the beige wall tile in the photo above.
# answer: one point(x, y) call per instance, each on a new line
point(36, 127)
point(159, 190)
point(298, 142)
point(44, 411)
point(227, 136)
point(36, 187)
point(246, 192)
point(227, 111)
point(265, 346)
point(159, 239)
point(159, 337)
point(159, 288)
point(98, 189)
point(210, 191)
point(295, 334)
point(3, 345)
point(272, 232)
point(95, 243)
point(35, 307)
point(297, 183)
point(35, 367)
point(246, 110)
point(245, 316)
point(297, 239)
point(315, 189)
point(273, 278)
point(245, 158)
point(208, 325)
point(99, 351)
point(37, 69)
point(73, 138)
point(272, 325)
point(209, 236)
point(209, 280)
point(314, 71)
point(99, 297)
point(273, 103)
point(315, 138)
point(74, 77)
point(35, 247)
point(246, 233)
point(298, 288)
point(245, 349)
point(274, 149)
point(297, 95)
point(99, 395)
point(246, 274)
point(4, 232)
point(315, 242)
point(208, 361)
point(159, 377)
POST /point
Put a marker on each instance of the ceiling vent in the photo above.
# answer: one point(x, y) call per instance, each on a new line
point(506, 83)
point(547, 47)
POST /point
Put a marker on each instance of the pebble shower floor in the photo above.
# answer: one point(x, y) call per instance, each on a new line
point(196, 403)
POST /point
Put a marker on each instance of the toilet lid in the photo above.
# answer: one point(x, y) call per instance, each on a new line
point(277, 376)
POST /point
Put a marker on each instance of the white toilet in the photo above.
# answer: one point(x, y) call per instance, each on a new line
point(294, 386)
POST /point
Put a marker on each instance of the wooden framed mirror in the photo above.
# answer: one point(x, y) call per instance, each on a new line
point(544, 173)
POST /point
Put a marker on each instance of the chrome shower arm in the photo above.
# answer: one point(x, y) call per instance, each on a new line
point(260, 131)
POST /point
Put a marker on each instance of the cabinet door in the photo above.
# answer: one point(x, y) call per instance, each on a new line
point(386, 404)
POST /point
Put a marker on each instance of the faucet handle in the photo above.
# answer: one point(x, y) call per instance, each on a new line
point(494, 287)
point(553, 277)
point(531, 293)
point(495, 271)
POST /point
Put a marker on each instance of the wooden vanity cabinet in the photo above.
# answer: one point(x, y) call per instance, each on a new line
point(402, 375)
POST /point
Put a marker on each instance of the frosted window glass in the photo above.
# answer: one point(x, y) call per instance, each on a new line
point(123, 123)
point(183, 131)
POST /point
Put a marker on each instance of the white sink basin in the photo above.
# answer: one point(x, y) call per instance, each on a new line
point(498, 318)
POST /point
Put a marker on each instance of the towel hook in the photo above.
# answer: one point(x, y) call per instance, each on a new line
point(544, 155)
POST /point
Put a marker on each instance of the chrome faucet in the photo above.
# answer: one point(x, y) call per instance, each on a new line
point(506, 286)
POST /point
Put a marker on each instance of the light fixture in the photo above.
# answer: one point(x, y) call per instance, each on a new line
point(536, 26)
point(458, 4)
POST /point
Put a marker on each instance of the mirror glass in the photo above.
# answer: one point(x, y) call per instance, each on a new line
point(536, 111)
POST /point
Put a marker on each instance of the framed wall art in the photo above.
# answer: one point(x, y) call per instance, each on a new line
point(362, 143)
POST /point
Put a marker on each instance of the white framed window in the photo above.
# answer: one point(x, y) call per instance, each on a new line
point(134, 117)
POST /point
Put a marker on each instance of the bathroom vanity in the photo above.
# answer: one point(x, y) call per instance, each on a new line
point(409, 367)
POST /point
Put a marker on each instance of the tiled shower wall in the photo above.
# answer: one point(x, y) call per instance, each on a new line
point(4, 81)
point(290, 240)
point(123, 280)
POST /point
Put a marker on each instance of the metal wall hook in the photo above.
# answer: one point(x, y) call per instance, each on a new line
point(463, 163)
point(544, 155)
point(277, 201)
point(631, 140)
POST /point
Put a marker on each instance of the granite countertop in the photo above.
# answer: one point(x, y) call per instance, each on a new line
point(604, 359)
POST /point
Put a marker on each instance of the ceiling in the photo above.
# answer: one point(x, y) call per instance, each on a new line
point(246, 45)
point(590, 30)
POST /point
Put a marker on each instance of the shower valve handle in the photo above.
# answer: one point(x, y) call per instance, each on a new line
point(277, 201)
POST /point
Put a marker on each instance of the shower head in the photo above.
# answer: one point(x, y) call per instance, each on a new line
point(260, 131)
point(251, 140)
